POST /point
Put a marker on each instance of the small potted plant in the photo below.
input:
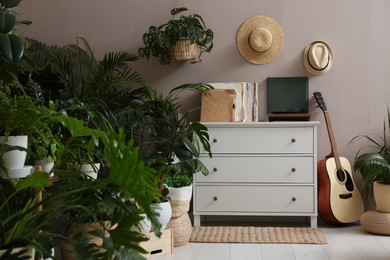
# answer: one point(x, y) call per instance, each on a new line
point(184, 38)
point(22, 125)
point(375, 168)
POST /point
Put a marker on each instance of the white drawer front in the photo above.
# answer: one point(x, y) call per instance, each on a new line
point(253, 168)
point(248, 198)
point(262, 140)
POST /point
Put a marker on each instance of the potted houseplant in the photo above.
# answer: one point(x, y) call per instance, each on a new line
point(173, 143)
point(186, 32)
point(20, 119)
point(99, 208)
point(375, 167)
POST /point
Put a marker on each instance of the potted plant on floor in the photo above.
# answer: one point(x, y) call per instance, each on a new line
point(173, 143)
point(375, 167)
point(183, 38)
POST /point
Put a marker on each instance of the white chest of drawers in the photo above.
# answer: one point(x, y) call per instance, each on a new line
point(259, 169)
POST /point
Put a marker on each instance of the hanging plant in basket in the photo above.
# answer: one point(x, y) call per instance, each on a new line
point(184, 38)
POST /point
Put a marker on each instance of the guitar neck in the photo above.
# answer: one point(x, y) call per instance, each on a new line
point(332, 140)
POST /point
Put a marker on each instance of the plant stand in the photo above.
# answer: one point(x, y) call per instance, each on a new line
point(180, 222)
point(158, 246)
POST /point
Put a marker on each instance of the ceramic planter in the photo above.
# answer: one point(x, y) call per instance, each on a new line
point(381, 196)
point(15, 159)
point(165, 212)
point(89, 169)
point(144, 226)
point(183, 193)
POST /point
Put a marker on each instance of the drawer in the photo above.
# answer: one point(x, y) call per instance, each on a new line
point(255, 198)
point(262, 140)
point(252, 168)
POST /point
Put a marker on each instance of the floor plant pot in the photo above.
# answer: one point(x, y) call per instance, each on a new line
point(180, 221)
point(144, 226)
point(382, 197)
point(46, 165)
point(164, 210)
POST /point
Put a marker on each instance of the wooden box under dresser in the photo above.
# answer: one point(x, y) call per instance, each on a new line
point(259, 169)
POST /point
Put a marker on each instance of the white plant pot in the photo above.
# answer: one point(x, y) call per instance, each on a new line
point(144, 226)
point(46, 166)
point(15, 159)
point(89, 169)
point(183, 193)
point(165, 212)
point(381, 196)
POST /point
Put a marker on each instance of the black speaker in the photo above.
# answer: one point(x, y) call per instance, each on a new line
point(288, 99)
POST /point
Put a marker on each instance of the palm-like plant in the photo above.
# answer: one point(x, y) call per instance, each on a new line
point(73, 75)
point(374, 166)
point(173, 143)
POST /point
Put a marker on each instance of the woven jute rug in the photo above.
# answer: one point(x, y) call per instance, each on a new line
point(277, 235)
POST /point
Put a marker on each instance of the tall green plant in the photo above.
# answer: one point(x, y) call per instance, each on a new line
point(374, 166)
point(72, 74)
point(173, 143)
point(11, 45)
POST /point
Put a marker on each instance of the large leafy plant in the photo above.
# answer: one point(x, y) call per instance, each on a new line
point(72, 75)
point(374, 166)
point(159, 39)
point(11, 45)
point(172, 143)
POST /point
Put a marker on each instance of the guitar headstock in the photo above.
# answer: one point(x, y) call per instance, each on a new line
point(320, 101)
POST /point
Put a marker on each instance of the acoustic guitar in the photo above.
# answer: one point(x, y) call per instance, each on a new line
point(339, 201)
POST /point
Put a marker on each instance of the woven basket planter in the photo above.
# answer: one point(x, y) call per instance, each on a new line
point(182, 229)
point(184, 50)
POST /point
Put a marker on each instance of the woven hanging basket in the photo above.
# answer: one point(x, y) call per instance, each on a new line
point(184, 50)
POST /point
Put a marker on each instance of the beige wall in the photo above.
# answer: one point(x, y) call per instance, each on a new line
point(356, 89)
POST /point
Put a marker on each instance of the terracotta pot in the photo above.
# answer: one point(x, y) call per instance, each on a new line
point(381, 196)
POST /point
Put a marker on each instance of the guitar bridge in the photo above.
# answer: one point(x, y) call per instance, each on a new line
point(345, 196)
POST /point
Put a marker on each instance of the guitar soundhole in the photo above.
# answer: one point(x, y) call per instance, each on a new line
point(344, 177)
point(340, 175)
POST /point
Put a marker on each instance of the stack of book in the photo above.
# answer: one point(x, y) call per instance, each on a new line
point(230, 102)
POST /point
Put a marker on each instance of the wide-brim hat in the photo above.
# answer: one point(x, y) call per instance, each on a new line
point(318, 58)
point(260, 39)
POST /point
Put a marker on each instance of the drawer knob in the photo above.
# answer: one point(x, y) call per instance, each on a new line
point(293, 140)
point(215, 140)
point(293, 169)
point(215, 170)
point(215, 198)
point(294, 199)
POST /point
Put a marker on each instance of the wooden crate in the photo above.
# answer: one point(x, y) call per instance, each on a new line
point(158, 246)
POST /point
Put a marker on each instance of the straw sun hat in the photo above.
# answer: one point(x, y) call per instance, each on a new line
point(260, 39)
point(318, 58)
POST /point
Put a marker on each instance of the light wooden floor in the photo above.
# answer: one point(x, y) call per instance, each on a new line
point(350, 242)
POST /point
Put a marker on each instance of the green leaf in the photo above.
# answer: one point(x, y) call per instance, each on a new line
point(11, 46)
point(10, 3)
point(7, 22)
point(35, 180)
